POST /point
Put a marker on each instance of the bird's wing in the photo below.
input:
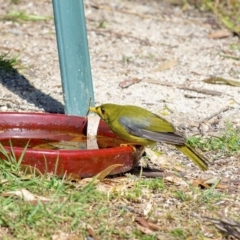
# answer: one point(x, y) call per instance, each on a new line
point(140, 128)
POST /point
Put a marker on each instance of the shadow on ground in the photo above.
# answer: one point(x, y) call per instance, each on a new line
point(19, 85)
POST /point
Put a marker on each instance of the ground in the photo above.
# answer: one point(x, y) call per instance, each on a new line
point(146, 53)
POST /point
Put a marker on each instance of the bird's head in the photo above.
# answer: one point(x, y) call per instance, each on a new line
point(106, 111)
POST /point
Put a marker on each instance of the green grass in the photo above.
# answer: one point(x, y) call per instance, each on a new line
point(74, 207)
point(126, 59)
point(225, 145)
point(178, 233)
point(15, 2)
point(8, 63)
point(181, 195)
point(17, 16)
point(226, 12)
point(102, 24)
point(67, 208)
point(155, 184)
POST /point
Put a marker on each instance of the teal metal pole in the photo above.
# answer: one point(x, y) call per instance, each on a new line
point(73, 55)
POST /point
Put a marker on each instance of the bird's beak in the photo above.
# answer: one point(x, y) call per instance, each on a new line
point(92, 109)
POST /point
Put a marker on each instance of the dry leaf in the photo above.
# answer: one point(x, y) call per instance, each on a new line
point(86, 181)
point(219, 80)
point(145, 230)
point(79, 184)
point(105, 188)
point(213, 180)
point(220, 34)
point(147, 209)
point(4, 181)
point(73, 177)
point(92, 233)
point(176, 180)
point(222, 186)
point(25, 195)
point(128, 82)
point(100, 176)
point(142, 221)
point(67, 145)
point(200, 182)
point(65, 236)
point(147, 224)
point(156, 227)
point(207, 183)
point(166, 65)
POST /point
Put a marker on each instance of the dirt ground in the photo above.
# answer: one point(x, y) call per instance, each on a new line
point(158, 48)
point(146, 53)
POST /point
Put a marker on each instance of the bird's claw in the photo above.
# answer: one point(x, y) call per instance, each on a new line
point(128, 145)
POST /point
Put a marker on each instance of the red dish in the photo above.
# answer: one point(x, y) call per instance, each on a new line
point(22, 128)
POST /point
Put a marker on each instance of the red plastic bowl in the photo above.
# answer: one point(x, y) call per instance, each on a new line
point(84, 163)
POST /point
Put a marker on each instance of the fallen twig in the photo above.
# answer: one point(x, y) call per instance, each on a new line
point(220, 80)
point(183, 86)
point(226, 225)
point(214, 114)
point(125, 11)
point(154, 173)
point(200, 126)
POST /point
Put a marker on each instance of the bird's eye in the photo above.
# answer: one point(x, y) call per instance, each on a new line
point(102, 110)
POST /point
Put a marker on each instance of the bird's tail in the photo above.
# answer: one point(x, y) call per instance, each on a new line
point(195, 156)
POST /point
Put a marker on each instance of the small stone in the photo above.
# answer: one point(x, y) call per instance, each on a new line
point(4, 108)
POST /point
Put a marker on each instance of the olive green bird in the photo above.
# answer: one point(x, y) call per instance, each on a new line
point(140, 126)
